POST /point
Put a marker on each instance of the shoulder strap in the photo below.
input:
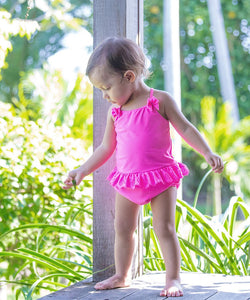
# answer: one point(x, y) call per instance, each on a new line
point(151, 93)
point(153, 103)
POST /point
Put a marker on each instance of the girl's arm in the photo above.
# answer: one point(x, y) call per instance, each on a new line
point(190, 133)
point(99, 156)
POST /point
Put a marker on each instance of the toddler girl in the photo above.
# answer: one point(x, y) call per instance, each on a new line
point(138, 129)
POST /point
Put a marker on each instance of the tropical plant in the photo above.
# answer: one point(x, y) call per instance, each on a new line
point(45, 93)
point(45, 230)
point(9, 28)
point(215, 245)
point(55, 19)
point(219, 244)
point(57, 255)
point(231, 141)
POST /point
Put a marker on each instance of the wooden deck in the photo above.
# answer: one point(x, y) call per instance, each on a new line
point(196, 286)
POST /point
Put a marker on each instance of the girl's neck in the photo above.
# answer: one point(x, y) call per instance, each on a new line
point(139, 96)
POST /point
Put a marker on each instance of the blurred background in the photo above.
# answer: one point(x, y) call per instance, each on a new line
point(46, 124)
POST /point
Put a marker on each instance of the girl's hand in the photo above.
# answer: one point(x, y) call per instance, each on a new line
point(76, 175)
point(215, 162)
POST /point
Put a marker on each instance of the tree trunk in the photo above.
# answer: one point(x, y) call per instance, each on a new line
point(223, 57)
point(225, 76)
point(171, 66)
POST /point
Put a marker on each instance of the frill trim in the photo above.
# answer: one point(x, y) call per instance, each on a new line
point(166, 175)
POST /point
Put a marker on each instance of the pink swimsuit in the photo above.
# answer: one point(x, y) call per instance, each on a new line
point(145, 166)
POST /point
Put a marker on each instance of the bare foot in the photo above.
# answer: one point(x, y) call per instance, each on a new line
point(113, 282)
point(172, 289)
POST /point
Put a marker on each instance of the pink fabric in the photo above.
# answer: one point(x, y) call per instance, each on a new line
point(145, 166)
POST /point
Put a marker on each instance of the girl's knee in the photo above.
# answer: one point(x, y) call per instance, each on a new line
point(164, 229)
point(123, 228)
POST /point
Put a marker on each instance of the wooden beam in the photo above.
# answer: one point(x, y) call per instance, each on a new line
point(111, 18)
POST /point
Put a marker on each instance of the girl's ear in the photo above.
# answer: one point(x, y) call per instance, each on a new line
point(129, 76)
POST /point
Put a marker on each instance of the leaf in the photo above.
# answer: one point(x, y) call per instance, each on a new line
point(25, 257)
point(206, 240)
point(55, 228)
point(244, 239)
point(52, 261)
point(196, 250)
point(37, 282)
point(187, 257)
point(208, 225)
point(199, 187)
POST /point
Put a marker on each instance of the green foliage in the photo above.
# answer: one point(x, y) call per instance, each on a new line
point(230, 140)
point(42, 244)
point(55, 20)
point(215, 245)
point(45, 241)
point(9, 28)
point(42, 225)
point(45, 231)
point(211, 245)
point(44, 93)
point(199, 75)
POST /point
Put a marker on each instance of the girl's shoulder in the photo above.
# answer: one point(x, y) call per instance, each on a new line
point(165, 101)
point(162, 96)
point(113, 111)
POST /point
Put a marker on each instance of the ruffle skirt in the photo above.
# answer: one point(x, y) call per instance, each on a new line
point(141, 187)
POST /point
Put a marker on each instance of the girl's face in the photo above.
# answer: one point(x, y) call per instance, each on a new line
point(115, 88)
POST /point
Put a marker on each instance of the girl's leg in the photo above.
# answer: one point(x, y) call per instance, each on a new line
point(126, 217)
point(163, 208)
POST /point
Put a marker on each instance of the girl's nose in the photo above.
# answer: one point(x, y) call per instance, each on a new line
point(105, 95)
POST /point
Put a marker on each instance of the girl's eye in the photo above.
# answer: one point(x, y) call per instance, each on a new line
point(105, 88)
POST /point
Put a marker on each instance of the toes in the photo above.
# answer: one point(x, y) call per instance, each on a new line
point(100, 286)
point(111, 283)
point(171, 293)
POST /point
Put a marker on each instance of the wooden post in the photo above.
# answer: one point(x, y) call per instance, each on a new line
point(111, 18)
point(172, 77)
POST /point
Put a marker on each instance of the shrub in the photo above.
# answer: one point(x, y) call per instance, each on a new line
point(42, 225)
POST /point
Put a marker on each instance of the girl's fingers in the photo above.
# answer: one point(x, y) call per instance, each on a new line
point(68, 183)
point(67, 186)
point(218, 166)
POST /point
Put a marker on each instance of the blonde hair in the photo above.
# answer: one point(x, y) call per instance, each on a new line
point(120, 55)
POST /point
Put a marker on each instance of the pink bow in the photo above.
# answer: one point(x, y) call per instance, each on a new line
point(153, 103)
point(116, 112)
